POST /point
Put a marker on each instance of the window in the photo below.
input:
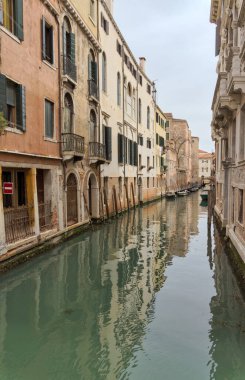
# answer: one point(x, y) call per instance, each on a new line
point(92, 75)
point(119, 48)
point(148, 117)
point(157, 117)
point(129, 100)
point(49, 119)
point(157, 138)
point(148, 182)
point(104, 73)
point(92, 9)
point(93, 126)
point(148, 143)
point(68, 114)
point(140, 160)
point(240, 206)
point(11, 16)
point(148, 88)
point(121, 140)
point(107, 142)
point(140, 140)
point(69, 50)
point(148, 162)
point(104, 24)
point(119, 89)
point(47, 42)
point(13, 103)
point(140, 111)
point(140, 80)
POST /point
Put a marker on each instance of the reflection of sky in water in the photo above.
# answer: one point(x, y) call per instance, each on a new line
point(148, 294)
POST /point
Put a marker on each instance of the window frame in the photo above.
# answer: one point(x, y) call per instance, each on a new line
point(46, 137)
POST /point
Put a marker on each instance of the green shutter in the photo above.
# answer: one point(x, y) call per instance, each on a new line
point(167, 124)
point(43, 22)
point(18, 16)
point(1, 12)
point(52, 46)
point(107, 132)
point(21, 107)
point(135, 154)
point(125, 148)
point(73, 48)
point(94, 75)
point(3, 102)
point(120, 148)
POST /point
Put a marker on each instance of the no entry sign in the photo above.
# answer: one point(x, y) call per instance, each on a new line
point(8, 188)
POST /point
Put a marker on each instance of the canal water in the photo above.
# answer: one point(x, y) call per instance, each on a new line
point(150, 295)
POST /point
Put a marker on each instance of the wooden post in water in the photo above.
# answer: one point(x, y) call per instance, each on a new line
point(115, 199)
point(120, 202)
point(106, 204)
point(132, 188)
point(126, 191)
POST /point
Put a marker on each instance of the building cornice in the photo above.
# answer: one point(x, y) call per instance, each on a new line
point(50, 7)
point(124, 41)
point(72, 10)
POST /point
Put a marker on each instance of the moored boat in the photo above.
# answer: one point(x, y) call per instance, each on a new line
point(182, 193)
point(204, 195)
point(170, 195)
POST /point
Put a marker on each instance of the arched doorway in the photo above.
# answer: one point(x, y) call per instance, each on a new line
point(71, 196)
point(93, 196)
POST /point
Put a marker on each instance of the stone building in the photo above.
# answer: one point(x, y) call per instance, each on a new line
point(228, 126)
point(194, 160)
point(205, 164)
point(160, 148)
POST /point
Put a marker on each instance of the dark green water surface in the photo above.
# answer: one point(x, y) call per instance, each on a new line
point(150, 295)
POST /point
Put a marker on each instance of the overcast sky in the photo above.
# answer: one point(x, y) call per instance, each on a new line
point(178, 42)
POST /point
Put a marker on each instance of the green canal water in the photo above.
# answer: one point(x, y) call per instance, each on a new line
point(150, 295)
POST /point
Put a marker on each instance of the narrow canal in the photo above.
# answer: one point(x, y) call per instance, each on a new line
point(150, 295)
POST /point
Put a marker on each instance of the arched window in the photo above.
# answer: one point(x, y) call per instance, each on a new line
point(92, 75)
point(67, 38)
point(104, 73)
point(140, 111)
point(118, 89)
point(133, 103)
point(148, 117)
point(129, 100)
point(68, 114)
point(93, 126)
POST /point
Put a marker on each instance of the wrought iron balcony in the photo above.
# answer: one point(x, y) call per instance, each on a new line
point(72, 145)
point(70, 68)
point(97, 152)
point(93, 89)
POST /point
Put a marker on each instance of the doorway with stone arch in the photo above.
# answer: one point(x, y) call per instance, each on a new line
point(71, 200)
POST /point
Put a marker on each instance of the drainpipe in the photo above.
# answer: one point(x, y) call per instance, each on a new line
point(123, 119)
point(60, 116)
point(137, 128)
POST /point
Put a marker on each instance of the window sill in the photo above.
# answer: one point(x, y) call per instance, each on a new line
point(14, 130)
point(49, 64)
point(49, 139)
point(10, 34)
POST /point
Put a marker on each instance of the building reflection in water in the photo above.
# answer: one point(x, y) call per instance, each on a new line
point(82, 310)
point(227, 332)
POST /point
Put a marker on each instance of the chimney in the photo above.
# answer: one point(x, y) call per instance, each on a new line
point(142, 63)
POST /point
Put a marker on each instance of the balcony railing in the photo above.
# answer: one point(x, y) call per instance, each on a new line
point(97, 151)
point(73, 143)
point(93, 89)
point(70, 68)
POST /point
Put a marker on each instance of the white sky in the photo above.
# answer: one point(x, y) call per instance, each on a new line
point(178, 42)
